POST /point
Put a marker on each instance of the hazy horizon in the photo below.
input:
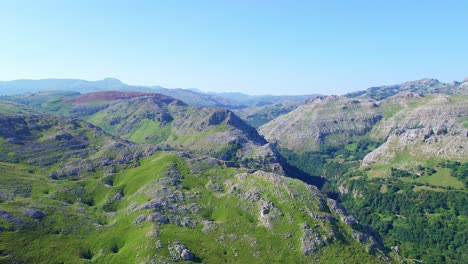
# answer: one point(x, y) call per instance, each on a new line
point(201, 90)
point(261, 47)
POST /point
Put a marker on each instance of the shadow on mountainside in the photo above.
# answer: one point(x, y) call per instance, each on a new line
point(320, 182)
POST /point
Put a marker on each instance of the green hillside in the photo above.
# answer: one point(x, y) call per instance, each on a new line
point(106, 200)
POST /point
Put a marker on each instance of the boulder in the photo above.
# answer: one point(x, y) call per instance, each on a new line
point(179, 251)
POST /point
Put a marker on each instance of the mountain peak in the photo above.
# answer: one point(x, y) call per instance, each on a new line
point(112, 80)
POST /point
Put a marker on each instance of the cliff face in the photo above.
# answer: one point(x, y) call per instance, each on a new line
point(432, 126)
point(330, 120)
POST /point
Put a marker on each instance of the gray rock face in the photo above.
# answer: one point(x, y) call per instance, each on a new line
point(140, 219)
point(158, 218)
point(170, 202)
point(312, 240)
point(268, 212)
point(178, 251)
point(338, 209)
point(159, 244)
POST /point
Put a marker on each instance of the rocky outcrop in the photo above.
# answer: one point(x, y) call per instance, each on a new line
point(268, 212)
point(338, 209)
point(170, 203)
point(312, 241)
point(179, 251)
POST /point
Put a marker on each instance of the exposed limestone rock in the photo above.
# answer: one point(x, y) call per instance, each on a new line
point(268, 212)
point(338, 209)
point(178, 251)
point(158, 218)
point(139, 219)
point(311, 240)
point(159, 244)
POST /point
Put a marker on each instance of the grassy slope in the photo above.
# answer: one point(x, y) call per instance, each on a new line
point(78, 229)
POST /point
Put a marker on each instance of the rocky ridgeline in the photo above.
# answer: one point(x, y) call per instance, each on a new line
point(331, 120)
point(202, 119)
point(272, 198)
point(424, 86)
point(314, 236)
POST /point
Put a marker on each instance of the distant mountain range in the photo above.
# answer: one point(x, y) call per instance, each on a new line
point(421, 86)
point(192, 96)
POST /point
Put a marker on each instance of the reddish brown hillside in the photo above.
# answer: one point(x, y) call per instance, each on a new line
point(116, 95)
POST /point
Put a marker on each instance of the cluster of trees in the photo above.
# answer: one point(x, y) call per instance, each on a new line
point(427, 225)
point(399, 173)
point(330, 161)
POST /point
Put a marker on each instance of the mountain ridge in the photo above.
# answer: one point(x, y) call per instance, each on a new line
point(191, 96)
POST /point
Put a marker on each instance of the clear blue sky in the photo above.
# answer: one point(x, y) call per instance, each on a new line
point(256, 47)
